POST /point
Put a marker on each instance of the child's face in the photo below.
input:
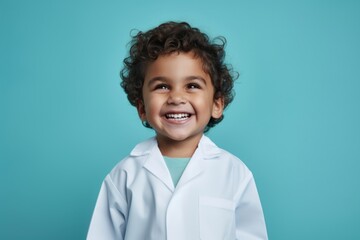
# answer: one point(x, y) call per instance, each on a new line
point(178, 98)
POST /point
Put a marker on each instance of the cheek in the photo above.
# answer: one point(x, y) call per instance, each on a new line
point(203, 103)
point(152, 104)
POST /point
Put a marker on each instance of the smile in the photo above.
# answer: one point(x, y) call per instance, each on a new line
point(178, 116)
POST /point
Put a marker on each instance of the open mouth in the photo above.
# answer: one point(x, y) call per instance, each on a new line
point(178, 116)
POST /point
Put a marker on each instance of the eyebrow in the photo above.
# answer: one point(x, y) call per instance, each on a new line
point(164, 79)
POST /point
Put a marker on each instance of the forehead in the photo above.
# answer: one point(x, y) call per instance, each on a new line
point(176, 65)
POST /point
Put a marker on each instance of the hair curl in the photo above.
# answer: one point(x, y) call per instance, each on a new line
point(171, 37)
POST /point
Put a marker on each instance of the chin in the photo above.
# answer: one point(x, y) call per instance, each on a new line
point(181, 137)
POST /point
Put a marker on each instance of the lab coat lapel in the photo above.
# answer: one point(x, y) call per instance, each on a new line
point(155, 164)
point(194, 168)
point(206, 150)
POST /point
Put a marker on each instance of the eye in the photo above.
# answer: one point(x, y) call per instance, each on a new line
point(193, 86)
point(161, 87)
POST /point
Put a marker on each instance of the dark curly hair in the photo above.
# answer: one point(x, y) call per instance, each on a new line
point(171, 37)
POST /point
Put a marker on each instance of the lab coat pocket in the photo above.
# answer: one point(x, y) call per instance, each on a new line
point(217, 218)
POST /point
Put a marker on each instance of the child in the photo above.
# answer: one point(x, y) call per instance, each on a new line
point(178, 185)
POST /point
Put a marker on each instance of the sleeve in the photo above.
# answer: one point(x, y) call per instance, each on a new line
point(109, 217)
point(250, 222)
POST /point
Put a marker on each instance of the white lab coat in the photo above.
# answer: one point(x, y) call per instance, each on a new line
point(215, 199)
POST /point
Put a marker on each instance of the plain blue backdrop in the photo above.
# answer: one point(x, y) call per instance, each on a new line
point(65, 121)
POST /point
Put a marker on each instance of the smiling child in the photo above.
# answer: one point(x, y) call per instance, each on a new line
point(178, 184)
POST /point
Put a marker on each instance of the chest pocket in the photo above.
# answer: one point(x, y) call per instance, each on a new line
point(217, 218)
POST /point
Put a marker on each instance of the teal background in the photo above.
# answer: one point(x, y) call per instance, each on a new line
point(65, 121)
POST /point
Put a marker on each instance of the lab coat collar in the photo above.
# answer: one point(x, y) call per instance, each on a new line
point(155, 163)
point(207, 150)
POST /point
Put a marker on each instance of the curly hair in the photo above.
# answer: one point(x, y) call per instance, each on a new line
point(179, 37)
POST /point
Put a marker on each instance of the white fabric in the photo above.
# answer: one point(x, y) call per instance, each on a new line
point(215, 199)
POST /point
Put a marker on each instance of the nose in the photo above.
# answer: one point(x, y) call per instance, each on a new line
point(176, 97)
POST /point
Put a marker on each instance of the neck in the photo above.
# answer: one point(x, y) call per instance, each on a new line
point(178, 149)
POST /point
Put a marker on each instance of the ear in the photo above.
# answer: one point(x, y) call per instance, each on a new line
point(141, 110)
point(218, 107)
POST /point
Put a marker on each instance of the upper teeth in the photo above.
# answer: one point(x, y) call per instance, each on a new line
point(178, 115)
